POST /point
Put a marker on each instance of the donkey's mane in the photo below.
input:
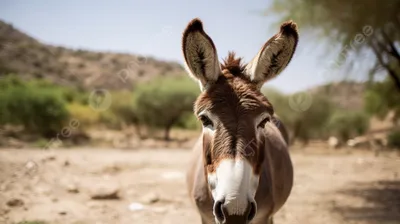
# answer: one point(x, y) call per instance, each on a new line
point(233, 64)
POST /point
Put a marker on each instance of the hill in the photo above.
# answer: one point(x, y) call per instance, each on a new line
point(347, 95)
point(29, 58)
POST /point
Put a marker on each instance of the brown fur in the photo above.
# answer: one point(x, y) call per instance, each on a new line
point(233, 65)
point(237, 102)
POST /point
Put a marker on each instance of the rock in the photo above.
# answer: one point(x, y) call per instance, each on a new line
point(31, 168)
point(103, 192)
point(135, 206)
point(333, 142)
point(44, 190)
point(62, 212)
point(66, 163)
point(49, 158)
point(150, 198)
point(72, 188)
point(15, 202)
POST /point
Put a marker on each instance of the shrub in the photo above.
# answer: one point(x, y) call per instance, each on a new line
point(382, 98)
point(83, 113)
point(302, 125)
point(393, 139)
point(121, 112)
point(346, 125)
point(39, 110)
point(164, 101)
point(188, 121)
point(110, 120)
point(123, 107)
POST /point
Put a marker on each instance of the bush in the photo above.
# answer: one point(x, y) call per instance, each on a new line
point(393, 139)
point(382, 98)
point(69, 94)
point(164, 101)
point(84, 114)
point(121, 112)
point(40, 110)
point(305, 125)
point(123, 107)
point(346, 125)
point(189, 121)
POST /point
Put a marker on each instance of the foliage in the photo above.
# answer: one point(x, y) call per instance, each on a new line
point(302, 125)
point(40, 110)
point(84, 114)
point(123, 108)
point(393, 139)
point(188, 121)
point(363, 28)
point(345, 124)
point(121, 112)
point(164, 101)
point(381, 98)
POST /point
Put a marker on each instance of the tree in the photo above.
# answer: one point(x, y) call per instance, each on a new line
point(346, 125)
point(380, 100)
point(369, 27)
point(164, 101)
point(305, 122)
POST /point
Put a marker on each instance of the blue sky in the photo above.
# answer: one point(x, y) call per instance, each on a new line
point(154, 27)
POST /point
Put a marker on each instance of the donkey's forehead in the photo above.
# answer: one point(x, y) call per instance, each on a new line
point(233, 93)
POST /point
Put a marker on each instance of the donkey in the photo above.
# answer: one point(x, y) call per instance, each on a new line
point(241, 171)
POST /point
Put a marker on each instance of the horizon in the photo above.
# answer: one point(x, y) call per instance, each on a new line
point(158, 33)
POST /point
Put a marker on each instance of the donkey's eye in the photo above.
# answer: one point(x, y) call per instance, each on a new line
point(206, 121)
point(263, 122)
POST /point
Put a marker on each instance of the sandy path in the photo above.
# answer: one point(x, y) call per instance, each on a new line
point(331, 189)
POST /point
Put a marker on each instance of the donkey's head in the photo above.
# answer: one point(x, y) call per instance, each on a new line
point(234, 113)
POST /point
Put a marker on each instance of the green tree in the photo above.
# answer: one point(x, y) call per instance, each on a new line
point(380, 99)
point(164, 101)
point(346, 125)
point(305, 124)
point(369, 27)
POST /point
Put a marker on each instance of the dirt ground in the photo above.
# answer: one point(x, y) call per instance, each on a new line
point(148, 186)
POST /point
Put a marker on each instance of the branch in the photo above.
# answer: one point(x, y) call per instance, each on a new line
point(393, 51)
point(391, 72)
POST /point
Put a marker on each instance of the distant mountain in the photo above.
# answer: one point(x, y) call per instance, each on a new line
point(28, 58)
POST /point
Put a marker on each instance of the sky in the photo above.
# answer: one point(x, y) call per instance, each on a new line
point(154, 28)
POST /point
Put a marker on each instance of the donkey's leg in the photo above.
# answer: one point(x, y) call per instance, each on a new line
point(271, 220)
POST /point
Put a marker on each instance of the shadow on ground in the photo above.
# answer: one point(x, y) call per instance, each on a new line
point(381, 203)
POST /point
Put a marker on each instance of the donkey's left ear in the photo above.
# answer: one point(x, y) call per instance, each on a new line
point(274, 56)
point(200, 54)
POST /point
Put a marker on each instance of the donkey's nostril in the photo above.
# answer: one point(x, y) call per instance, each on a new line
point(252, 211)
point(218, 210)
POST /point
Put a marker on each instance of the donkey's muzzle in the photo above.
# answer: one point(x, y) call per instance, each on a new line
point(223, 217)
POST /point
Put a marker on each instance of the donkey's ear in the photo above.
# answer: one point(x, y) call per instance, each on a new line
point(275, 55)
point(200, 54)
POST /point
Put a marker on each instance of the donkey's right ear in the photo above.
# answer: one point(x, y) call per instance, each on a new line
point(200, 54)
